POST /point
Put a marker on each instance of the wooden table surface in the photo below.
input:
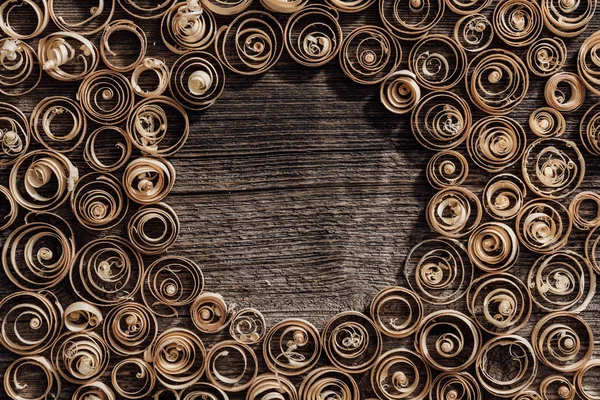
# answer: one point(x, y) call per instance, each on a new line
point(300, 194)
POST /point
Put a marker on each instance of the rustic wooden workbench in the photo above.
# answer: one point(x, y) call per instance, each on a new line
point(300, 194)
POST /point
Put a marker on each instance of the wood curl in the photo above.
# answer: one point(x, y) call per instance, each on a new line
point(232, 379)
point(396, 311)
point(148, 180)
point(474, 32)
point(67, 56)
point(197, 80)
point(17, 382)
point(80, 358)
point(141, 386)
point(504, 196)
point(400, 374)
point(171, 282)
point(98, 17)
point(438, 270)
point(546, 56)
point(559, 97)
point(106, 97)
point(399, 92)
point(16, 7)
point(518, 23)
point(411, 20)
point(210, 313)
point(248, 326)
point(313, 35)
point(153, 229)
point(326, 382)
point(454, 212)
point(438, 62)
point(493, 247)
point(186, 26)
point(58, 123)
point(547, 122)
point(113, 60)
point(447, 168)
point(20, 68)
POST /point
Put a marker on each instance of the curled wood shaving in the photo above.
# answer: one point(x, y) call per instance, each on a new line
point(232, 379)
point(411, 20)
point(99, 16)
point(351, 342)
point(197, 80)
point(186, 26)
point(399, 92)
point(210, 313)
point(122, 144)
point(506, 365)
point(313, 35)
point(248, 326)
point(546, 56)
point(400, 374)
point(80, 357)
point(369, 54)
point(17, 382)
point(251, 44)
point(72, 51)
point(171, 282)
point(106, 96)
point(547, 122)
point(153, 228)
point(562, 281)
point(31, 322)
point(106, 272)
point(328, 382)
point(49, 127)
point(39, 9)
point(39, 253)
point(142, 385)
point(81, 317)
point(448, 340)
point(559, 98)
point(518, 23)
point(499, 303)
point(438, 62)
point(438, 271)
point(396, 311)
point(148, 180)
point(178, 358)
point(20, 68)
point(109, 57)
point(474, 32)
point(155, 66)
point(292, 347)
point(562, 341)
point(503, 196)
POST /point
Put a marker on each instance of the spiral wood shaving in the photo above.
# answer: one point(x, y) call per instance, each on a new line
point(80, 357)
point(94, 390)
point(441, 120)
point(454, 212)
point(546, 56)
point(142, 385)
point(560, 98)
point(397, 312)
point(447, 168)
point(351, 342)
point(130, 328)
point(153, 228)
point(197, 80)
point(39, 253)
point(48, 124)
point(251, 44)
point(448, 340)
point(504, 196)
point(313, 35)
point(14, 135)
point(499, 303)
point(474, 32)
point(496, 143)
point(506, 365)
point(400, 374)
point(98, 201)
point(292, 347)
point(210, 313)
point(497, 81)
point(328, 382)
point(563, 281)
point(553, 168)
point(82, 317)
point(67, 56)
point(271, 386)
point(17, 382)
point(518, 23)
point(556, 385)
point(171, 282)
point(107, 272)
point(232, 379)
point(100, 162)
point(109, 57)
point(106, 96)
point(178, 358)
point(133, 299)
point(31, 322)
point(438, 62)
point(455, 385)
point(148, 180)
point(248, 326)
point(567, 18)
point(411, 20)
point(563, 341)
point(493, 247)
point(40, 10)
point(20, 69)
point(438, 271)
point(187, 26)
point(547, 122)
point(154, 126)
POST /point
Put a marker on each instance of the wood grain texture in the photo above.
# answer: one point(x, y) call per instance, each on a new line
point(300, 194)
